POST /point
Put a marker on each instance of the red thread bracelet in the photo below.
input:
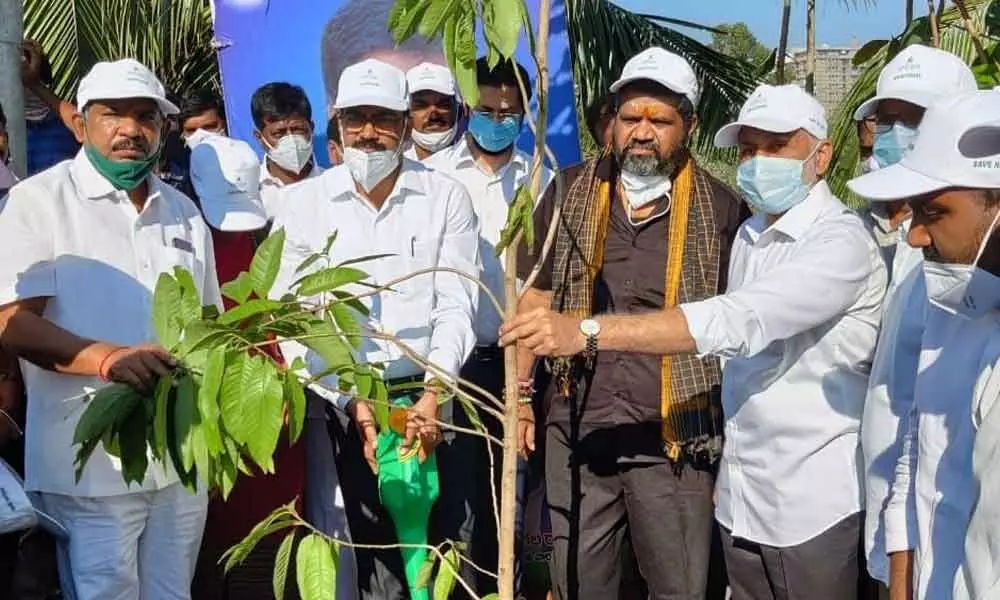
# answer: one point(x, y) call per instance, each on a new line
point(104, 361)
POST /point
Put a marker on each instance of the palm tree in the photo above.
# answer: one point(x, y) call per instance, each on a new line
point(172, 37)
point(786, 14)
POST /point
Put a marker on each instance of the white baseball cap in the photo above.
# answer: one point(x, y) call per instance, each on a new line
point(372, 82)
point(957, 145)
point(125, 78)
point(919, 75)
point(778, 109)
point(663, 67)
point(225, 173)
point(430, 76)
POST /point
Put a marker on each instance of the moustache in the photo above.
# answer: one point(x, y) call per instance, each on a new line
point(650, 145)
point(130, 144)
point(370, 146)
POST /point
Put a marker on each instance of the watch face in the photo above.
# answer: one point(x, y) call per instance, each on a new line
point(589, 327)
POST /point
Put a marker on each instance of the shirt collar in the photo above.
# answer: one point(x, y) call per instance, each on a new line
point(94, 185)
point(800, 217)
point(267, 179)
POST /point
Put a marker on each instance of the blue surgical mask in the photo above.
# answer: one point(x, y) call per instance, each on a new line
point(772, 184)
point(890, 145)
point(494, 136)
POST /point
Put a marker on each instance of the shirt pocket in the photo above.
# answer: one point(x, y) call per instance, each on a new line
point(421, 255)
point(169, 258)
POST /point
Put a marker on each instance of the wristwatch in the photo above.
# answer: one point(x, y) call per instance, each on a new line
point(590, 330)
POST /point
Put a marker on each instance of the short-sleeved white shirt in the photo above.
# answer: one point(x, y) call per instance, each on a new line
point(69, 236)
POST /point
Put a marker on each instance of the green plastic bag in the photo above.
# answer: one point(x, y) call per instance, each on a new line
point(408, 490)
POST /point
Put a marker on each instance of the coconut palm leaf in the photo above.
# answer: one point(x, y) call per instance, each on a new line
point(173, 37)
point(954, 38)
point(604, 36)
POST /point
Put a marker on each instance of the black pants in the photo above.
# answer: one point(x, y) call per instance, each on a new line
point(599, 505)
point(380, 572)
point(823, 568)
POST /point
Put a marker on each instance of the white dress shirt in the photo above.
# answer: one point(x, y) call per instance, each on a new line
point(887, 412)
point(427, 221)
point(934, 485)
point(271, 186)
point(797, 330)
point(981, 570)
point(492, 194)
point(69, 236)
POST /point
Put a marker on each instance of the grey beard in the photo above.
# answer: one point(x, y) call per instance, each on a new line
point(649, 165)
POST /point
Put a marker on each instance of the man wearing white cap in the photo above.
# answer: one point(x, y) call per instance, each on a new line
point(383, 204)
point(434, 110)
point(632, 441)
point(797, 328)
point(907, 85)
point(85, 242)
point(951, 180)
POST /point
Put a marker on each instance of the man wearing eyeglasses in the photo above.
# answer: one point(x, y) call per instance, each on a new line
point(916, 78)
point(380, 203)
point(491, 167)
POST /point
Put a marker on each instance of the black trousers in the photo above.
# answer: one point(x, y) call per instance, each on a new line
point(823, 568)
point(380, 572)
point(600, 506)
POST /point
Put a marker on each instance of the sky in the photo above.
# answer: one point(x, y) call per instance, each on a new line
point(835, 24)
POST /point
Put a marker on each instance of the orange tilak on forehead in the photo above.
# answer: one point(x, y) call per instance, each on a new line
point(645, 109)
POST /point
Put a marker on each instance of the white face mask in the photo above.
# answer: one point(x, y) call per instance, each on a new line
point(370, 168)
point(870, 165)
point(640, 190)
point(963, 290)
point(433, 141)
point(198, 136)
point(292, 153)
point(35, 109)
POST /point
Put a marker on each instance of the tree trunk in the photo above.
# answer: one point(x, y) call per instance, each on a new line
point(11, 90)
point(932, 16)
point(508, 484)
point(909, 12)
point(786, 13)
point(810, 45)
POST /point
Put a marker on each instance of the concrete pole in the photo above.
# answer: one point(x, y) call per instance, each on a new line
point(11, 90)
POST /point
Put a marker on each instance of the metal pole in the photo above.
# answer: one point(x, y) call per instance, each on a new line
point(11, 90)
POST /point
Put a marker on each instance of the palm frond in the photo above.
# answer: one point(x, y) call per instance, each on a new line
point(172, 37)
point(954, 39)
point(603, 37)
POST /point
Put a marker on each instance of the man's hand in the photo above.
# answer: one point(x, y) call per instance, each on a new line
point(31, 63)
point(901, 575)
point(422, 421)
point(525, 430)
point(139, 366)
point(545, 332)
point(364, 419)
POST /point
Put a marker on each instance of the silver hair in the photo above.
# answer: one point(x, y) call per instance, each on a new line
point(359, 28)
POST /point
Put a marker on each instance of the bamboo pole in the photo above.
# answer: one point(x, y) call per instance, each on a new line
point(11, 89)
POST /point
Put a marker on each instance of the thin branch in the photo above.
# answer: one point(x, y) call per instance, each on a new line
point(683, 23)
point(970, 27)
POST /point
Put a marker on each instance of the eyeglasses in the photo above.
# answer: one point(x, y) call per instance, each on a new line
point(498, 116)
point(387, 123)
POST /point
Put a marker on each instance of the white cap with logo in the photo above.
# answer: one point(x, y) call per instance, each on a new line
point(919, 75)
point(777, 109)
point(662, 67)
point(957, 145)
point(372, 82)
point(126, 78)
point(430, 77)
point(225, 173)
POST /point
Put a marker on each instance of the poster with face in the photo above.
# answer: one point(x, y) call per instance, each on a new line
point(310, 43)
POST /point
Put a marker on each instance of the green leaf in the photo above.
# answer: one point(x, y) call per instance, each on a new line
point(434, 17)
point(509, 230)
point(266, 262)
point(160, 408)
point(470, 412)
point(409, 18)
point(325, 340)
point(189, 308)
point(329, 279)
point(248, 309)
point(239, 289)
point(280, 519)
point(202, 335)
point(347, 322)
point(281, 562)
point(316, 571)
point(132, 439)
point(364, 259)
point(527, 207)
point(868, 51)
point(166, 299)
point(296, 397)
point(351, 301)
point(109, 405)
point(506, 25)
point(252, 407)
point(381, 404)
point(185, 421)
point(493, 596)
point(464, 59)
point(363, 381)
point(445, 582)
point(208, 400)
point(426, 572)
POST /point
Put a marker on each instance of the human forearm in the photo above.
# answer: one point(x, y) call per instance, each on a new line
point(64, 109)
point(663, 333)
point(532, 299)
point(901, 575)
point(27, 335)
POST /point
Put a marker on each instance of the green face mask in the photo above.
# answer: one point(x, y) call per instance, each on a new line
point(123, 174)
